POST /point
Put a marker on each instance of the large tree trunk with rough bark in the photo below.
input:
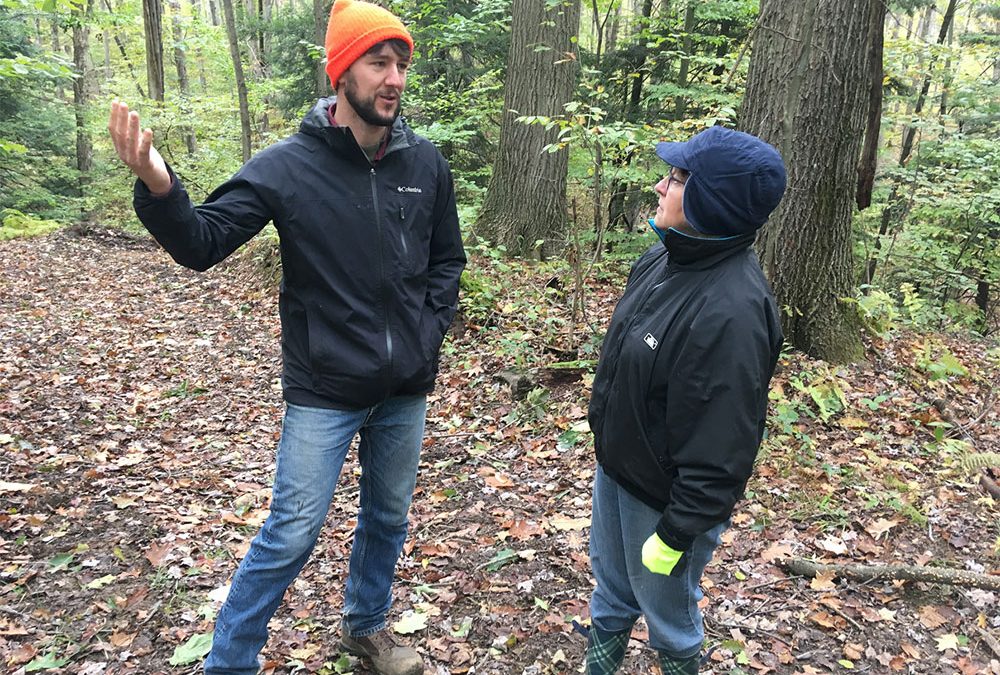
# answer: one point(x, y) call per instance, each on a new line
point(152, 19)
point(526, 198)
point(807, 93)
point(241, 82)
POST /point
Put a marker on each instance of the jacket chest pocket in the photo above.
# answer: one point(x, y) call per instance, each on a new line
point(409, 232)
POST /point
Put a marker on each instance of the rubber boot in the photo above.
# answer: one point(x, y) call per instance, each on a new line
point(674, 666)
point(605, 651)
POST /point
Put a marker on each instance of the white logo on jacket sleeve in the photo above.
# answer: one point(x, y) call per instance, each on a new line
point(405, 188)
point(650, 340)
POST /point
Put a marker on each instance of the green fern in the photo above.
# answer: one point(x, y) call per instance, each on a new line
point(980, 460)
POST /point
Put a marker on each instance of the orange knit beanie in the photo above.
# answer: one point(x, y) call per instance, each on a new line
point(354, 28)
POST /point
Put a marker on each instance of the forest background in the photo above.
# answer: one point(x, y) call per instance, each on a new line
point(885, 257)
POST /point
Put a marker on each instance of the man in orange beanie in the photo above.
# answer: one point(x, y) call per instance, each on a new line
point(371, 255)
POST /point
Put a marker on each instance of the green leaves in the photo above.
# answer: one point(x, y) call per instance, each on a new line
point(196, 648)
point(503, 557)
point(46, 662)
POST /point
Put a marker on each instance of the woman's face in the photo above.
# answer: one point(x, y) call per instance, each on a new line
point(670, 208)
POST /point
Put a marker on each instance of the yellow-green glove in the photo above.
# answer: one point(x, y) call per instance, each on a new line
point(659, 558)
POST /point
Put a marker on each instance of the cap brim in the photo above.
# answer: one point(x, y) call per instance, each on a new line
point(673, 154)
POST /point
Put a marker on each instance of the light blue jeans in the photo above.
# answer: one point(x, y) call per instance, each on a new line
point(620, 524)
point(314, 443)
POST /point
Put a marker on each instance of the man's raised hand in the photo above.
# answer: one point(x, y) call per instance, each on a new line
point(135, 148)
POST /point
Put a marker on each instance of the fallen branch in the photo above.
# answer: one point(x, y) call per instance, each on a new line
point(993, 643)
point(989, 485)
point(931, 575)
point(985, 481)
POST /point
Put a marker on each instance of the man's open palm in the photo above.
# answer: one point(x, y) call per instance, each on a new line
point(135, 148)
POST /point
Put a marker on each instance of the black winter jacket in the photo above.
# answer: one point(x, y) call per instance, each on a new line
point(371, 255)
point(680, 395)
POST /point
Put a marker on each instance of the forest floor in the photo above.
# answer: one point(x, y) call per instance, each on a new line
point(141, 407)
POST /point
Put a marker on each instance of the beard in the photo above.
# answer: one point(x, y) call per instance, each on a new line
point(365, 108)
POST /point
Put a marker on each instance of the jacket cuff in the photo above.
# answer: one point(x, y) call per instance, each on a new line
point(672, 538)
point(141, 191)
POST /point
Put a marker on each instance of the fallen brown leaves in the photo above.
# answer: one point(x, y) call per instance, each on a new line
point(140, 411)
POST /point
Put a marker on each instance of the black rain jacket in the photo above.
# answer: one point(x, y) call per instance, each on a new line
point(371, 255)
point(680, 396)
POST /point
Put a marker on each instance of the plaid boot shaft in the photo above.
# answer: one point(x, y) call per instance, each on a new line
point(672, 666)
point(605, 651)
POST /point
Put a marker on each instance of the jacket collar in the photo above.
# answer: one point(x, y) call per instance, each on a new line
point(317, 123)
point(691, 252)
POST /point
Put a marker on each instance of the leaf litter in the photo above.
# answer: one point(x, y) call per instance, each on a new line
point(141, 408)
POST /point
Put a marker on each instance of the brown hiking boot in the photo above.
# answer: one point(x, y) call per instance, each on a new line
point(387, 657)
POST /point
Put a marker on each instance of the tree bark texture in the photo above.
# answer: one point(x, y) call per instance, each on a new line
point(152, 19)
point(180, 62)
point(241, 82)
point(807, 94)
point(526, 198)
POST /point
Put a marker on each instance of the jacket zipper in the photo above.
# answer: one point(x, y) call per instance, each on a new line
point(402, 234)
point(385, 285)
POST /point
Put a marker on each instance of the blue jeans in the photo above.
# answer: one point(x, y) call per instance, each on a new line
point(625, 588)
point(314, 443)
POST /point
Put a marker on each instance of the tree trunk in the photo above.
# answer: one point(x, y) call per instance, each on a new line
point(241, 83)
point(526, 199)
point(180, 62)
point(807, 93)
point(107, 55)
point(635, 96)
point(213, 10)
point(949, 69)
point(320, 17)
point(263, 9)
point(910, 132)
point(996, 62)
point(892, 208)
point(612, 31)
point(60, 92)
point(687, 47)
point(81, 91)
point(125, 58)
point(983, 300)
point(869, 152)
point(152, 18)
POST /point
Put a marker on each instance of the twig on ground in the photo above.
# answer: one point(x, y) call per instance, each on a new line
point(932, 575)
point(991, 641)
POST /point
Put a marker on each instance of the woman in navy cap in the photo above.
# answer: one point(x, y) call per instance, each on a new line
point(680, 396)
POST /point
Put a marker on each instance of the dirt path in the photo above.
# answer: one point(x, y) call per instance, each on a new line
point(139, 411)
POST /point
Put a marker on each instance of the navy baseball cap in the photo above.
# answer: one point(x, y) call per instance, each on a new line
point(736, 180)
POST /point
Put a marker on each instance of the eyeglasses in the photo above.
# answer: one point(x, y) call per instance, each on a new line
point(671, 178)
